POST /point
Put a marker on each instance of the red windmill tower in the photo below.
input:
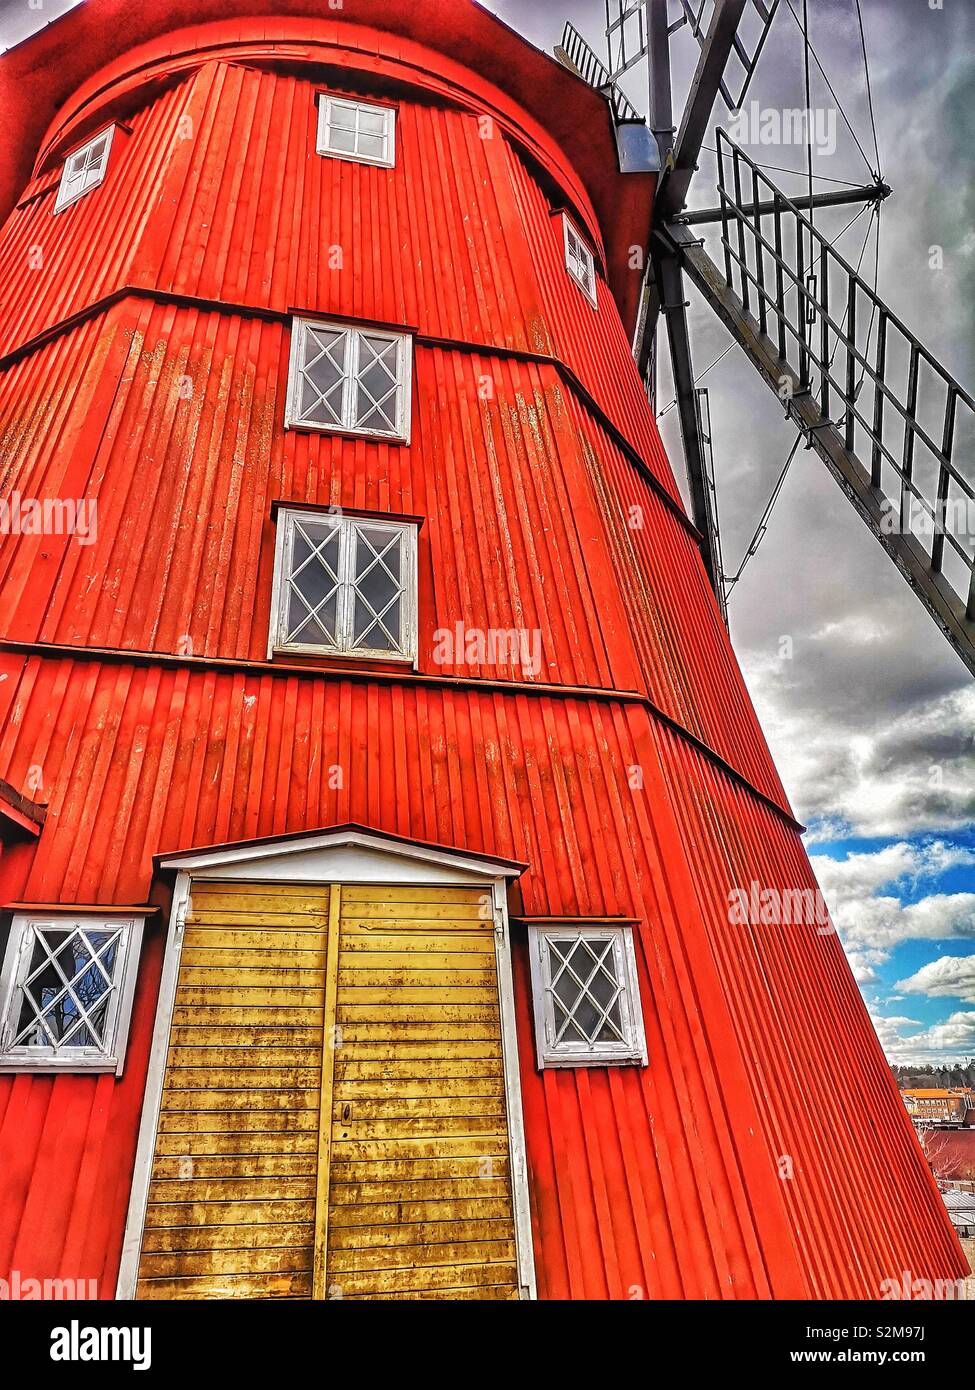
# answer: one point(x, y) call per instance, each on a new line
point(379, 774)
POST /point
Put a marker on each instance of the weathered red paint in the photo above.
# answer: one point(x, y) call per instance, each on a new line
point(133, 677)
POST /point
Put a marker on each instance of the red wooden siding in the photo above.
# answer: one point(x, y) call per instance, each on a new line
point(180, 215)
point(134, 685)
point(540, 536)
point(654, 1170)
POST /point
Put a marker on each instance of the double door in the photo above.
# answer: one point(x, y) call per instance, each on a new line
point(333, 1120)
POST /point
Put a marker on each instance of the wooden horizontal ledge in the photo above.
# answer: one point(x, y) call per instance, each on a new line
point(335, 509)
point(54, 651)
point(223, 306)
point(574, 920)
point(324, 668)
point(84, 909)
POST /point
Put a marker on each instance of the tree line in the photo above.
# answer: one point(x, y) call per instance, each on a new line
point(932, 1078)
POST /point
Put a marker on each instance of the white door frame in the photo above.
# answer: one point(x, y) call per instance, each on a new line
point(350, 855)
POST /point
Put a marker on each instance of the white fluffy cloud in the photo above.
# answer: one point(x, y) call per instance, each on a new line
point(882, 923)
point(902, 862)
point(949, 977)
point(951, 1040)
point(872, 923)
point(863, 964)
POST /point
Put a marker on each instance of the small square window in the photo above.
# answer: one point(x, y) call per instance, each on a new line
point(84, 170)
point(587, 999)
point(344, 586)
point(66, 992)
point(351, 380)
point(579, 262)
point(355, 130)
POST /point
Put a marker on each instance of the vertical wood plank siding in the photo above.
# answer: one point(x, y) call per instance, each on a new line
point(144, 344)
point(645, 1179)
point(540, 536)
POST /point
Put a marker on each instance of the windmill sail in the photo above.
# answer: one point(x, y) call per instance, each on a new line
point(628, 31)
point(892, 425)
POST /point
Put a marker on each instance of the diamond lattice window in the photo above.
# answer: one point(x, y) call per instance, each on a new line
point(66, 991)
point(345, 586)
point(356, 381)
point(356, 130)
point(587, 1005)
point(579, 262)
point(84, 170)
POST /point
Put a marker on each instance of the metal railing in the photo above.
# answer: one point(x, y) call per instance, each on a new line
point(908, 421)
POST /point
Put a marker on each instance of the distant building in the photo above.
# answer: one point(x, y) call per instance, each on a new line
point(961, 1209)
point(952, 1106)
point(950, 1152)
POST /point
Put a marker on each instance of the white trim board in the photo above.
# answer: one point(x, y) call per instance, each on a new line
point(341, 856)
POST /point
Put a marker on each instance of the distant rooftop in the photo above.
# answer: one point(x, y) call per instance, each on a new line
point(945, 1093)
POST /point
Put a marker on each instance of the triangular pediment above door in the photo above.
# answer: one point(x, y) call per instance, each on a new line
point(340, 854)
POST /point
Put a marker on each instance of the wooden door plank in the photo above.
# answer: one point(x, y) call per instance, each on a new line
point(227, 1286)
point(329, 1042)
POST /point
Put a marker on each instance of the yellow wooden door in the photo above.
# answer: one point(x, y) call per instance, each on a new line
point(232, 1195)
point(420, 1202)
point(333, 1120)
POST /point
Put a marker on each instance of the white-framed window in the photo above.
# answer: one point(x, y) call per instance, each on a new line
point(66, 991)
point(344, 586)
point(586, 996)
point(85, 169)
point(579, 261)
point(350, 380)
point(356, 130)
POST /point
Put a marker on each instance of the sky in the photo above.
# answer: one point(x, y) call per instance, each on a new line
point(870, 715)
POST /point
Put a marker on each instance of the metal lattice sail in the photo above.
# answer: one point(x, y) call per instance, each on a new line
point(893, 426)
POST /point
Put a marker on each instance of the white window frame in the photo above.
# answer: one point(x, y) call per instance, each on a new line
point(577, 252)
point(552, 1053)
point(355, 333)
point(16, 966)
point(348, 527)
point(327, 104)
point(94, 175)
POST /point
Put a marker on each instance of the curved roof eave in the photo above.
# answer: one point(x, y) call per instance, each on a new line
point(39, 75)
